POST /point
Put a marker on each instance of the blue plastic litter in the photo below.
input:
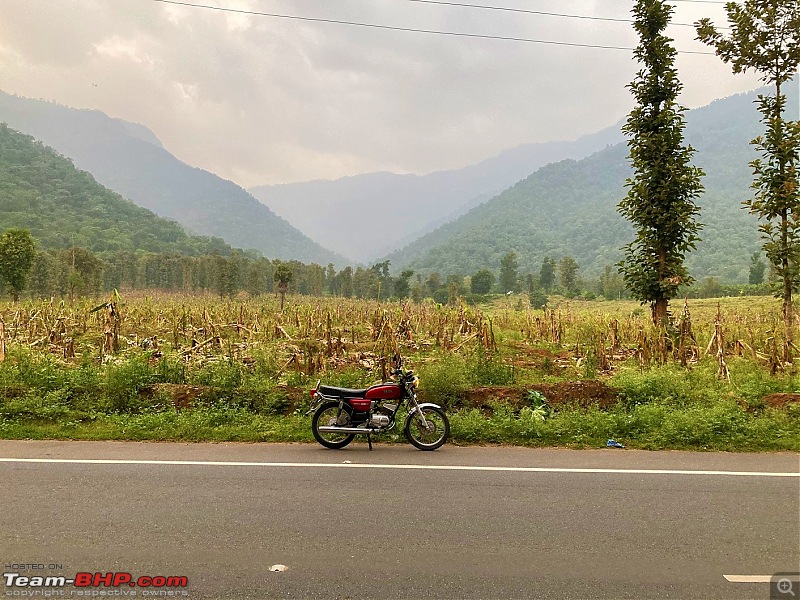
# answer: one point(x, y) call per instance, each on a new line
point(613, 444)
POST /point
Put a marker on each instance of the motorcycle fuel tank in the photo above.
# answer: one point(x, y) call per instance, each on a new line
point(384, 391)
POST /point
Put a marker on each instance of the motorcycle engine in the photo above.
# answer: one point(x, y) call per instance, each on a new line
point(379, 420)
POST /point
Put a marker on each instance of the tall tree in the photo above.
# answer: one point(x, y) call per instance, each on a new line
point(568, 272)
point(345, 282)
point(85, 273)
point(283, 276)
point(765, 37)
point(509, 275)
point(17, 251)
point(757, 269)
point(660, 201)
point(401, 286)
point(547, 274)
point(330, 279)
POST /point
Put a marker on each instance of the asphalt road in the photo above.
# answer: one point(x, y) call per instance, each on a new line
point(536, 524)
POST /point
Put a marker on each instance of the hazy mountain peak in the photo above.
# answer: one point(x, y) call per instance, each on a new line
point(375, 213)
point(129, 159)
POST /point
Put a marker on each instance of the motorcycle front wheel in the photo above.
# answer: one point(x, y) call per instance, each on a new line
point(430, 435)
point(329, 415)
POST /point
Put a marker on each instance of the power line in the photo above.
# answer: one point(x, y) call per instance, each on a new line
point(409, 29)
point(533, 12)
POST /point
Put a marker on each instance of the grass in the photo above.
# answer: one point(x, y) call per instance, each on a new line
point(242, 358)
point(655, 426)
point(661, 408)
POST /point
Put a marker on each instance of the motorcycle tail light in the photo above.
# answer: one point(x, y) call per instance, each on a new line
point(313, 393)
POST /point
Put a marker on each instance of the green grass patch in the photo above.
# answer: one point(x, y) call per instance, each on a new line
point(133, 397)
point(654, 426)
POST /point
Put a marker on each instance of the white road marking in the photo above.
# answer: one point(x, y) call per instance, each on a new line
point(748, 578)
point(208, 463)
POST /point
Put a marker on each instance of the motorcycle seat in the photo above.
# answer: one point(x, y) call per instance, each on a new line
point(338, 392)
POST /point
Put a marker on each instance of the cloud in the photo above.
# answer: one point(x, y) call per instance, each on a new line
point(270, 100)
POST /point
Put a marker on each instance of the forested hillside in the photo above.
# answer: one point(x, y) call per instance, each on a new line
point(43, 192)
point(128, 159)
point(569, 208)
point(379, 212)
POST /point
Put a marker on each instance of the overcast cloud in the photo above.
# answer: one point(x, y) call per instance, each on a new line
point(267, 100)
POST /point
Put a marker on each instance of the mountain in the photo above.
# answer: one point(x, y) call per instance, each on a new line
point(42, 191)
point(569, 208)
point(375, 213)
point(129, 159)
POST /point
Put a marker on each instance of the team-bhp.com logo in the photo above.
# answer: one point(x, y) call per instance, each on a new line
point(91, 582)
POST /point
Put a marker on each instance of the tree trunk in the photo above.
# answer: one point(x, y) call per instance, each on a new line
point(659, 307)
point(787, 289)
point(787, 276)
point(659, 311)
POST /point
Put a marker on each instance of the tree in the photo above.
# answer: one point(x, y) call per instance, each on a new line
point(660, 201)
point(433, 283)
point(757, 268)
point(547, 274)
point(367, 283)
point(509, 272)
point(610, 284)
point(537, 298)
point(482, 282)
point(17, 251)
point(44, 275)
point(765, 37)
point(330, 279)
point(226, 271)
point(401, 286)
point(530, 282)
point(568, 272)
point(381, 271)
point(283, 276)
point(344, 282)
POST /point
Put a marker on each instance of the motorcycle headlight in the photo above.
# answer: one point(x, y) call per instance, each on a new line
point(415, 383)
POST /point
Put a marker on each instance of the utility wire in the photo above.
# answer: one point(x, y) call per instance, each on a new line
point(533, 12)
point(410, 29)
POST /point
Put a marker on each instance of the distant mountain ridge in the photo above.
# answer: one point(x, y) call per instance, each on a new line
point(129, 159)
point(570, 207)
point(375, 213)
point(61, 206)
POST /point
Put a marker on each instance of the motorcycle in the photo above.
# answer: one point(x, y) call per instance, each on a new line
point(341, 413)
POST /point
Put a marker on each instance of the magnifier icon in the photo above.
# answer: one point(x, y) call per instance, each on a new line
point(785, 587)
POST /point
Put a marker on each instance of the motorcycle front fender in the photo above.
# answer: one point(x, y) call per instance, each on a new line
point(423, 405)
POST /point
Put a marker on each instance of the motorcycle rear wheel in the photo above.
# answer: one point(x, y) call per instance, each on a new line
point(434, 435)
point(326, 415)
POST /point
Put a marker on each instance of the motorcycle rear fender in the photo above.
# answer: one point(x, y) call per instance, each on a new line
point(424, 405)
point(319, 399)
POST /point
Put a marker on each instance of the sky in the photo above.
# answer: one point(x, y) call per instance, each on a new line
point(269, 100)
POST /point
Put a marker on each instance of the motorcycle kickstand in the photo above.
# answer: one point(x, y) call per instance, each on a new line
point(369, 441)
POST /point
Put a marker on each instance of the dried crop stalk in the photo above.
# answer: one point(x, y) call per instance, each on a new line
point(722, 370)
point(2, 340)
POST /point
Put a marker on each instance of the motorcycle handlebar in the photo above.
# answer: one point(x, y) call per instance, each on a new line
point(401, 373)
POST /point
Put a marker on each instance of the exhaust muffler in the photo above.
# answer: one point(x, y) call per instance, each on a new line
point(332, 429)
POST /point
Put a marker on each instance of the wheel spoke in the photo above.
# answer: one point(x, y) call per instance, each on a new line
point(428, 428)
point(331, 415)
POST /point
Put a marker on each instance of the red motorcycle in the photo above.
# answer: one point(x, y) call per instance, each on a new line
point(341, 413)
